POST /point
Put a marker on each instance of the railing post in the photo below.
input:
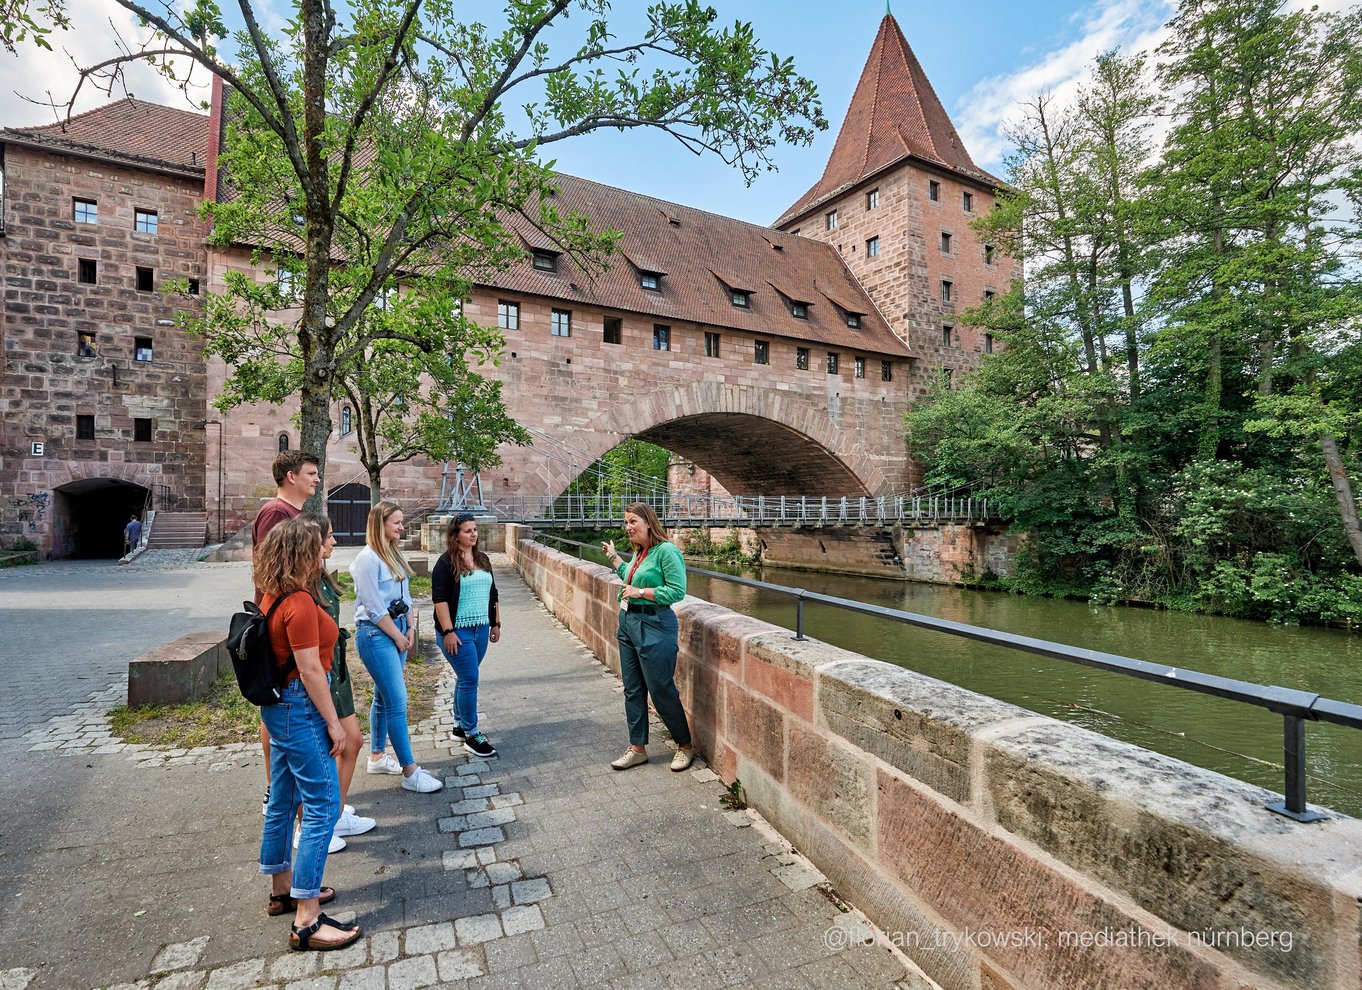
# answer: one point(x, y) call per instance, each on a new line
point(1293, 743)
point(799, 615)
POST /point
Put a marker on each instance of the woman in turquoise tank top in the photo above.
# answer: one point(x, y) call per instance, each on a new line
point(467, 617)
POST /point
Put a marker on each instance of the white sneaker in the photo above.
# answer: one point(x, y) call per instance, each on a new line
point(350, 823)
point(387, 763)
point(682, 759)
point(421, 782)
point(348, 809)
point(334, 846)
point(631, 758)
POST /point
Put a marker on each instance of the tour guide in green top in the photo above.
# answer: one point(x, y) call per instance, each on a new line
point(654, 581)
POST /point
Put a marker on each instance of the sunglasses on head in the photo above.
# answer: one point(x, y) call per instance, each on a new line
point(463, 517)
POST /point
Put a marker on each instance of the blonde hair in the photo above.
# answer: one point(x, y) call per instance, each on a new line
point(656, 534)
point(289, 558)
point(386, 549)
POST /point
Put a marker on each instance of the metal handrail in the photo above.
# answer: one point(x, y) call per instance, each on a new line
point(1296, 707)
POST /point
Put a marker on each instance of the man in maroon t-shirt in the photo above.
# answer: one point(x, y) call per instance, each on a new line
point(297, 477)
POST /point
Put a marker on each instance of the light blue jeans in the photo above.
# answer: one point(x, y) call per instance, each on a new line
point(472, 648)
point(388, 713)
point(302, 770)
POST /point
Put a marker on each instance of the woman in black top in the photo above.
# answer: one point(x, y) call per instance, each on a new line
point(467, 617)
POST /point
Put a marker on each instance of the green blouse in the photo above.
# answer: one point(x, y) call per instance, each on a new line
point(663, 569)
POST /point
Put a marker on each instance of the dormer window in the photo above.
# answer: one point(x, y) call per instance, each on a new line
point(799, 310)
point(545, 261)
point(854, 320)
point(740, 298)
point(651, 280)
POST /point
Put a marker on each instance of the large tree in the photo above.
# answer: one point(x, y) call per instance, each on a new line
point(376, 142)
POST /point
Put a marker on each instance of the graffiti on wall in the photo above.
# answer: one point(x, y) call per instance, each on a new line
point(29, 510)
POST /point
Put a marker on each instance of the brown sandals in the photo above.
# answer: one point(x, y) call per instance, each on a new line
point(283, 903)
point(300, 939)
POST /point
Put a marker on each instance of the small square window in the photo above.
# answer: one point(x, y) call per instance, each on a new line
point(934, 190)
point(988, 343)
point(945, 243)
point(651, 280)
point(833, 363)
point(988, 295)
point(945, 336)
point(854, 320)
point(799, 310)
point(967, 201)
point(662, 337)
point(614, 330)
point(546, 261)
point(711, 344)
point(141, 430)
point(886, 371)
point(561, 325)
point(145, 279)
point(761, 352)
point(990, 255)
point(87, 345)
point(142, 350)
point(832, 220)
point(508, 315)
point(860, 366)
point(87, 271)
point(85, 211)
point(802, 358)
point(739, 298)
point(947, 290)
point(144, 221)
point(872, 200)
point(872, 248)
point(193, 287)
point(85, 427)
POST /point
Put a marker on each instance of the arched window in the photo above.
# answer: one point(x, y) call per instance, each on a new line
point(283, 442)
point(346, 424)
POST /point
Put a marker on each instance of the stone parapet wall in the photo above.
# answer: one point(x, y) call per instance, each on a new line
point(948, 816)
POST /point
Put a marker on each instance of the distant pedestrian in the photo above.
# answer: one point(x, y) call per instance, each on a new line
point(307, 737)
point(132, 534)
point(467, 617)
point(654, 581)
point(382, 620)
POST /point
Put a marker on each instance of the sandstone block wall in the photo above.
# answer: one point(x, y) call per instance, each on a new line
point(1002, 850)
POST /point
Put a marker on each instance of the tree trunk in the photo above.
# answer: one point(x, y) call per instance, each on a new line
point(1343, 492)
point(375, 483)
point(1209, 440)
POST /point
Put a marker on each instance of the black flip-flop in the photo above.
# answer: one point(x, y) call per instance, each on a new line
point(300, 939)
point(283, 903)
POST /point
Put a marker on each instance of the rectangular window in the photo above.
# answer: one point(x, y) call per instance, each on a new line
point(945, 336)
point(988, 343)
point(854, 320)
point(761, 352)
point(85, 427)
point(141, 430)
point(662, 337)
point(651, 280)
point(739, 298)
point(562, 323)
point(990, 255)
point(546, 261)
point(934, 190)
point(799, 310)
point(144, 221)
point(945, 243)
point(832, 220)
point(288, 284)
point(142, 349)
point(193, 287)
point(711, 344)
point(947, 290)
point(614, 330)
point(86, 345)
point(860, 366)
point(967, 201)
point(85, 211)
point(988, 295)
point(872, 200)
point(832, 363)
point(886, 371)
point(508, 315)
point(145, 279)
point(947, 376)
point(802, 358)
point(86, 271)
point(872, 248)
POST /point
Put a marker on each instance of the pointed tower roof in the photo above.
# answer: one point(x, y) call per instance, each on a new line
point(894, 114)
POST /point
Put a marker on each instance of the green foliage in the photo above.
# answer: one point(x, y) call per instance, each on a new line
point(699, 543)
point(734, 798)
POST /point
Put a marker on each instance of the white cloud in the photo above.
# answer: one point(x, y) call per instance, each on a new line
point(993, 103)
point(35, 74)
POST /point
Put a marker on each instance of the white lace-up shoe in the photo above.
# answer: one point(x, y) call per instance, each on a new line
point(421, 782)
point(683, 759)
point(387, 763)
point(350, 823)
point(631, 758)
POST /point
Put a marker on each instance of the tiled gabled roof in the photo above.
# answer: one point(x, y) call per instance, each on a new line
point(894, 115)
point(129, 130)
point(701, 254)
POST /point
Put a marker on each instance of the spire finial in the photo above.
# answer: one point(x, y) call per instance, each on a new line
point(887, 11)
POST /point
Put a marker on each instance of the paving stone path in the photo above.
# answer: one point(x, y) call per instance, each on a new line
point(538, 868)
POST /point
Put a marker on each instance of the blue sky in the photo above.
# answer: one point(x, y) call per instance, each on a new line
point(981, 55)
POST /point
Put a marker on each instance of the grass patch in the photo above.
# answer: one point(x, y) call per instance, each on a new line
point(420, 586)
point(223, 716)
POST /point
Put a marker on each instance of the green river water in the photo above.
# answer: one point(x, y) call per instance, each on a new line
point(1234, 739)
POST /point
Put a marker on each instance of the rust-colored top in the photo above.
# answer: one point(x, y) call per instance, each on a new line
point(298, 624)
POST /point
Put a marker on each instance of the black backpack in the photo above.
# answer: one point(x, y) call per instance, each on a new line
point(258, 673)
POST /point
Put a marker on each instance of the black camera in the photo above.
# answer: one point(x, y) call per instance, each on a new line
point(398, 607)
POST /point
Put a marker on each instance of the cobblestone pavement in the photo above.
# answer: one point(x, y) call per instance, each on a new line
point(131, 867)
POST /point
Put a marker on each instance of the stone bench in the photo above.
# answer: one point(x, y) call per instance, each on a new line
point(179, 671)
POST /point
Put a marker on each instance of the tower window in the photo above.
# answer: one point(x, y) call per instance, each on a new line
point(662, 337)
point(833, 363)
point(145, 280)
point(193, 287)
point(144, 221)
point(86, 345)
point(347, 421)
point(872, 200)
point(283, 442)
point(886, 371)
point(967, 202)
point(832, 220)
point(946, 336)
point(761, 352)
point(85, 427)
point(945, 243)
point(802, 358)
point(860, 366)
point(711, 344)
point(872, 248)
point(141, 430)
point(85, 211)
point(87, 271)
point(990, 255)
point(947, 290)
point(142, 350)
point(988, 343)
point(561, 325)
point(934, 190)
point(614, 330)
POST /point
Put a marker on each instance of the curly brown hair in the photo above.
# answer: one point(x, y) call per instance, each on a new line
point(290, 558)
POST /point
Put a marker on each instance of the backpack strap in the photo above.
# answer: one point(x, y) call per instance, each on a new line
point(291, 664)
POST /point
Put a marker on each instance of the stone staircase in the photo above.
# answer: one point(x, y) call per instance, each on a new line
point(177, 529)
